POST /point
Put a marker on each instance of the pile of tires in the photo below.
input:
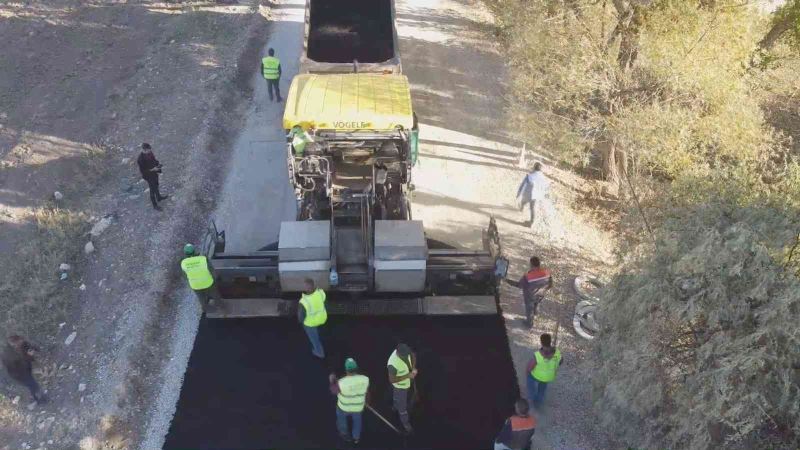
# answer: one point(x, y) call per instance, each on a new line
point(585, 321)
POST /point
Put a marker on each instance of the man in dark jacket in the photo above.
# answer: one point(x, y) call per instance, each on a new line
point(518, 429)
point(534, 284)
point(17, 358)
point(149, 167)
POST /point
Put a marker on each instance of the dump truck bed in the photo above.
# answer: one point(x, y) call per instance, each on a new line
point(350, 36)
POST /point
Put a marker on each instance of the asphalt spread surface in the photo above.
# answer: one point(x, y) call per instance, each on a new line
point(253, 383)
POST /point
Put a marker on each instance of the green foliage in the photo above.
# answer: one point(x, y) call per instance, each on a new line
point(789, 12)
point(700, 338)
point(685, 109)
point(558, 70)
point(700, 330)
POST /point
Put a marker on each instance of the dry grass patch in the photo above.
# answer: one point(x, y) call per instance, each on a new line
point(33, 299)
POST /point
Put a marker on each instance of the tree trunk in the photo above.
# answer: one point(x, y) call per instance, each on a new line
point(623, 17)
point(621, 157)
point(612, 37)
point(629, 45)
point(615, 165)
point(778, 29)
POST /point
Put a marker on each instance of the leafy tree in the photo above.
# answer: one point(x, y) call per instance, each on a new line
point(699, 347)
point(785, 23)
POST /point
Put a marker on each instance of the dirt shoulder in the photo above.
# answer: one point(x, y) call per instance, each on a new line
point(469, 171)
point(89, 82)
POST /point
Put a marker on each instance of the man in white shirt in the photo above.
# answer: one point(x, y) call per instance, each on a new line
point(533, 187)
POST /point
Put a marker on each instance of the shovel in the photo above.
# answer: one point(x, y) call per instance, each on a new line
point(386, 421)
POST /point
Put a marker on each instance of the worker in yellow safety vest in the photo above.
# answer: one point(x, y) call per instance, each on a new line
point(300, 138)
point(351, 397)
point(198, 274)
point(542, 370)
point(271, 69)
point(312, 315)
point(402, 369)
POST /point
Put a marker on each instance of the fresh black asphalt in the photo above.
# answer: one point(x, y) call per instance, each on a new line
point(253, 383)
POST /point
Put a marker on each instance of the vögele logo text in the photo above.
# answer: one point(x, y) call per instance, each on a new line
point(343, 124)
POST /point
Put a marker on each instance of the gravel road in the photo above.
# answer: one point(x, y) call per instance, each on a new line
point(468, 171)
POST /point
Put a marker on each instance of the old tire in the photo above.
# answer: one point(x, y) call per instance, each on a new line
point(584, 323)
point(580, 280)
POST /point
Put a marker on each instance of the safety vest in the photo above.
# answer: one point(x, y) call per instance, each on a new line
point(196, 269)
point(352, 393)
point(402, 369)
point(314, 304)
point(271, 65)
point(299, 140)
point(545, 370)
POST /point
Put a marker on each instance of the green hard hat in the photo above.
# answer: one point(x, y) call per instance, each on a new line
point(350, 364)
point(188, 249)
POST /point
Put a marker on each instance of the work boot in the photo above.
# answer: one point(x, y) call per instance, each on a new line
point(157, 208)
point(163, 197)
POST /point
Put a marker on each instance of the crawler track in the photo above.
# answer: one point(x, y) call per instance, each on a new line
point(254, 384)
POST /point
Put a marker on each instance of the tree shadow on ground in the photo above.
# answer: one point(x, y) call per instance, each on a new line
point(76, 94)
point(456, 92)
point(478, 150)
point(472, 162)
point(436, 19)
point(464, 78)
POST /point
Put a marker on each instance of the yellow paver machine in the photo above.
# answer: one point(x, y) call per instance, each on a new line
point(352, 141)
